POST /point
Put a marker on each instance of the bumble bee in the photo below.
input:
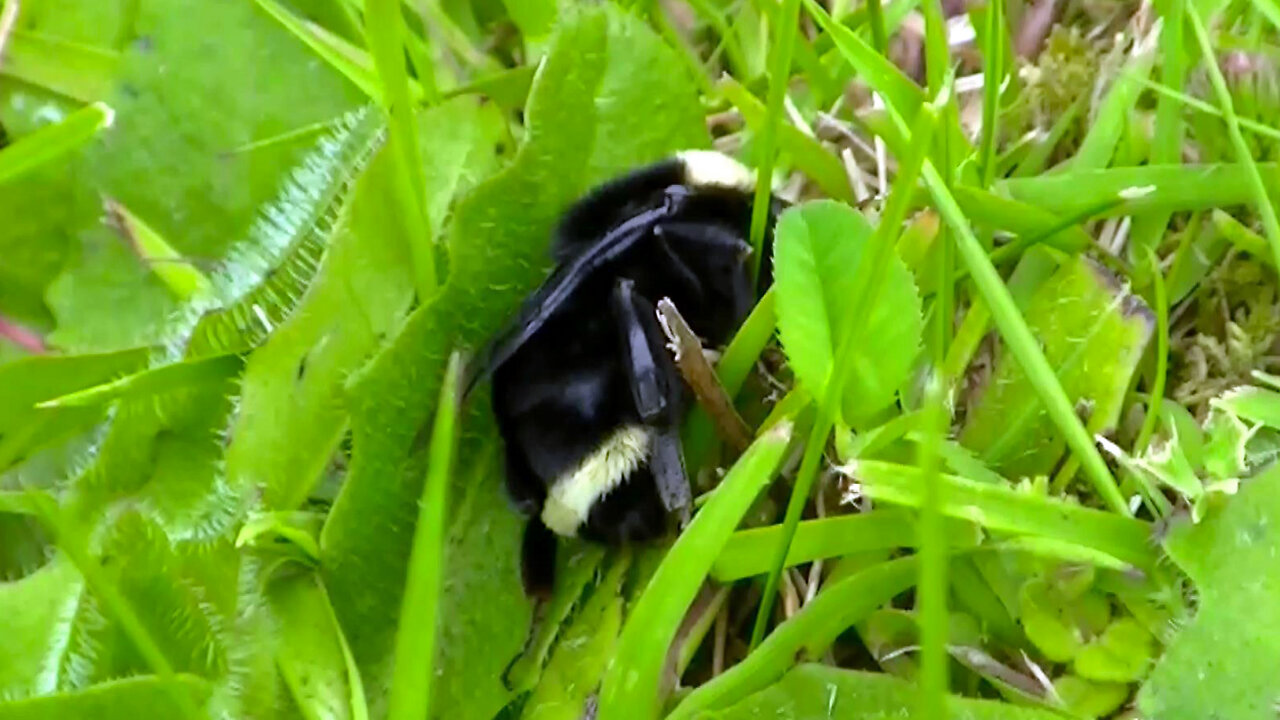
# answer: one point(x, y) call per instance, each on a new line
point(586, 395)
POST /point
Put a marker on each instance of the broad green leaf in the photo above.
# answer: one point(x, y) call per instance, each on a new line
point(292, 413)
point(99, 23)
point(812, 691)
point(1252, 404)
point(184, 104)
point(1048, 622)
point(1223, 662)
point(265, 275)
point(183, 107)
point(37, 610)
point(309, 654)
point(353, 62)
point(1226, 437)
point(817, 250)
point(33, 239)
point(633, 682)
point(106, 299)
point(1085, 698)
point(580, 658)
point(182, 592)
point(535, 18)
point(1123, 653)
point(69, 68)
point(804, 323)
point(123, 699)
point(608, 97)
point(1093, 333)
point(149, 523)
point(25, 429)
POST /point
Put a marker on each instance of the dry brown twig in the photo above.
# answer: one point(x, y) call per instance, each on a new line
point(700, 376)
point(8, 20)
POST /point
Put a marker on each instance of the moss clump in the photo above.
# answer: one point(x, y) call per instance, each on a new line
point(1233, 329)
point(1065, 71)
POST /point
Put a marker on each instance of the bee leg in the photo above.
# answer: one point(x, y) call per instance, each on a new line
point(655, 389)
point(526, 490)
point(538, 560)
point(667, 465)
point(538, 547)
point(650, 372)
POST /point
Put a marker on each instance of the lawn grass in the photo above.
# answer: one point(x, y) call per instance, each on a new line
point(1012, 389)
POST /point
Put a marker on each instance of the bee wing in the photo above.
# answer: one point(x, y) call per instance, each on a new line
point(561, 285)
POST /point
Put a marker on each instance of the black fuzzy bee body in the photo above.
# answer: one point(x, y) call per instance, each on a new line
point(585, 392)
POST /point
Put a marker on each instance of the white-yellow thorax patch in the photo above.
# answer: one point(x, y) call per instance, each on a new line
point(571, 496)
point(708, 168)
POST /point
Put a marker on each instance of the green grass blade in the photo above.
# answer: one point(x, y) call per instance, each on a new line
point(72, 541)
point(352, 62)
point(677, 42)
point(154, 381)
point(384, 30)
point(631, 683)
point(1099, 145)
point(898, 90)
point(176, 272)
point(1161, 310)
point(416, 634)
point(992, 85)
point(1017, 336)
point(355, 684)
point(837, 607)
point(1243, 155)
point(1269, 10)
point(737, 60)
point(875, 18)
point(808, 154)
point(779, 75)
point(932, 586)
point(749, 552)
point(1036, 159)
point(1005, 509)
point(1177, 99)
point(1030, 223)
point(871, 272)
point(732, 370)
point(1242, 237)
point(54, 141)
point(1166, 143)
